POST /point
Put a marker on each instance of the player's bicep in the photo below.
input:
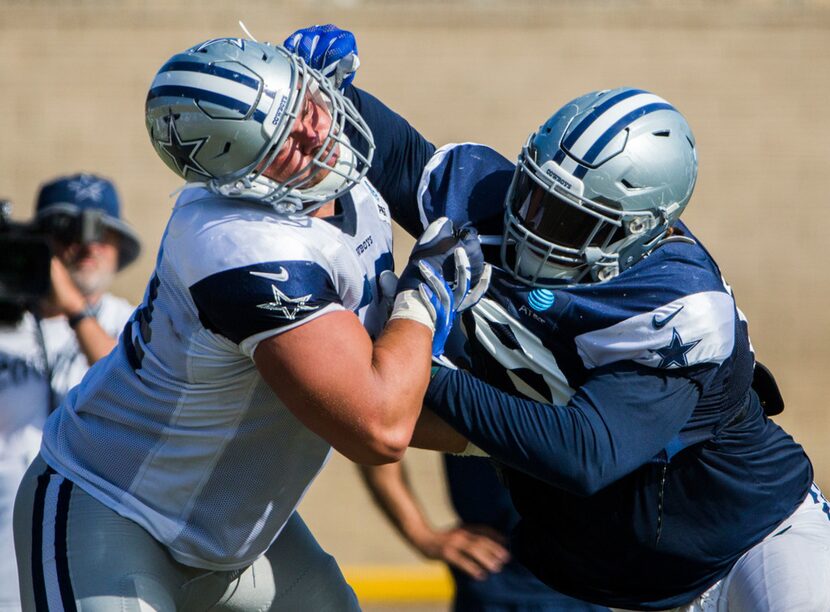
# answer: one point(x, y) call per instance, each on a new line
point(321, 371)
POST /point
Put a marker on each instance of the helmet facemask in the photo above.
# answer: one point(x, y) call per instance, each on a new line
point(558, 233)
point(344, 165)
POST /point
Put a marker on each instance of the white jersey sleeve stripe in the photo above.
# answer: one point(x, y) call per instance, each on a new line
point(698, 328)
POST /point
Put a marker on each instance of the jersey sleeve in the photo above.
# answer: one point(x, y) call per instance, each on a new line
point(250, 303)
point(621, 418)
point(465, 182)
point(401, 154)
point(468, 183)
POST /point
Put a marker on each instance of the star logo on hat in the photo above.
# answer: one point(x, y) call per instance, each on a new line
point(86, 187)
point(182, 152)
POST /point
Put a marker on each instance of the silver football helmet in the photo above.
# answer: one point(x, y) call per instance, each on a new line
point(597, 187)
point(219, 113)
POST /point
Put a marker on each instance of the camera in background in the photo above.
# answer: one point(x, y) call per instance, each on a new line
point(25, 255)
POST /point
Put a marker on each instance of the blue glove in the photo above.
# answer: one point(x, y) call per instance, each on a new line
point(438, 276)
point(328, 49)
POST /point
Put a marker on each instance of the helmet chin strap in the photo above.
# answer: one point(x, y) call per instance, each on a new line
point(599, 265)
point(531, 266)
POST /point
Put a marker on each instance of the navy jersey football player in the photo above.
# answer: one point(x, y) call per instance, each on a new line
point(611, 370)
point(168, 479)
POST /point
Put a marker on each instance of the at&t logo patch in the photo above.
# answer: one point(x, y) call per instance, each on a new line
point(541, 299)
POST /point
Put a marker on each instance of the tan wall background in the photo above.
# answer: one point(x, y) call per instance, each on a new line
point(752, 78)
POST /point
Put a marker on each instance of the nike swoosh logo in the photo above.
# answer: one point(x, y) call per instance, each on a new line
point(281, 276)
point(660, 323)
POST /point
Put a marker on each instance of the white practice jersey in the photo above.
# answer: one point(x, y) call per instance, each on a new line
point(176, 429)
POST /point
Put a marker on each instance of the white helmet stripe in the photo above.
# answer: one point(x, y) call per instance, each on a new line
point(607, 119)
point(213, 85)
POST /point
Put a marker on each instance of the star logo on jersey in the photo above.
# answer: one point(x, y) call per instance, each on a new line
point(87, 188)
point(674, 354)
point(288, 307)
point(182, 152)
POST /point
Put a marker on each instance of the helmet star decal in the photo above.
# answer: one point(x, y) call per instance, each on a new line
point(289, 307)
point(182, 152)
point(675, 352)
point(87, 188)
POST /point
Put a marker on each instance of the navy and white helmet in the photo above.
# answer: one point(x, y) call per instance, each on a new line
point(219, 112)
point(597, 187)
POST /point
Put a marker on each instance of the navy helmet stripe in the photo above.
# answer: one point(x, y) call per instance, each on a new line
point(236, 77)
point(559, 156)
point(589, 120)
point(615, 129)
point(179, 91)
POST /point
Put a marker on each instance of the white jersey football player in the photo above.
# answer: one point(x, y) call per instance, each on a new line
point(170, 477)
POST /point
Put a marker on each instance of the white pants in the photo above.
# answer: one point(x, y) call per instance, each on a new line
point(74, 553)
point(788, 571)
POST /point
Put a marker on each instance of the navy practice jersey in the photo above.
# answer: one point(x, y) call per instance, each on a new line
point(634, 447)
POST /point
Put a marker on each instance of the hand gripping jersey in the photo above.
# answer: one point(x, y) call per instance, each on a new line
point(644, 466)
point(176, 429)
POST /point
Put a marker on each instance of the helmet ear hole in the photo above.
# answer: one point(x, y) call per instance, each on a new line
point(662, 133)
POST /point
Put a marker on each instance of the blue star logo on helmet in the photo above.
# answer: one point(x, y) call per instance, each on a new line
point(182, 152)
point(541, 299)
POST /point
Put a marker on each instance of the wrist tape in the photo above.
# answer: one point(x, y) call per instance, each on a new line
point(409, 305)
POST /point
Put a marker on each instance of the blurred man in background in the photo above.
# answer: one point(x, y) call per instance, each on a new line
point(47, 346)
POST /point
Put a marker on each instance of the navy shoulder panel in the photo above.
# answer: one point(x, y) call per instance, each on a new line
point(467, 183)
point(241, 302)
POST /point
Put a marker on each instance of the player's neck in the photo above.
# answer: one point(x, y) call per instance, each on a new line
point(326, 210)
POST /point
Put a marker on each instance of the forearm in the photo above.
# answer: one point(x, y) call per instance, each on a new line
point(392, 493)
point(94, 341)
point(434, 433)
point(400, 157)
point(616, 422)
point(401, 362)
point(363, 398)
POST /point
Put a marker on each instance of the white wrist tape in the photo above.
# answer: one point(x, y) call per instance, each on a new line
point(409, 305)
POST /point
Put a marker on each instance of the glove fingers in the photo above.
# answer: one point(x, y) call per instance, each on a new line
point(428, 298)
point(292, 41)
point(388, 283)
point(437, 284)
point(462, 275)
point(439, 228)
point(478, 291)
